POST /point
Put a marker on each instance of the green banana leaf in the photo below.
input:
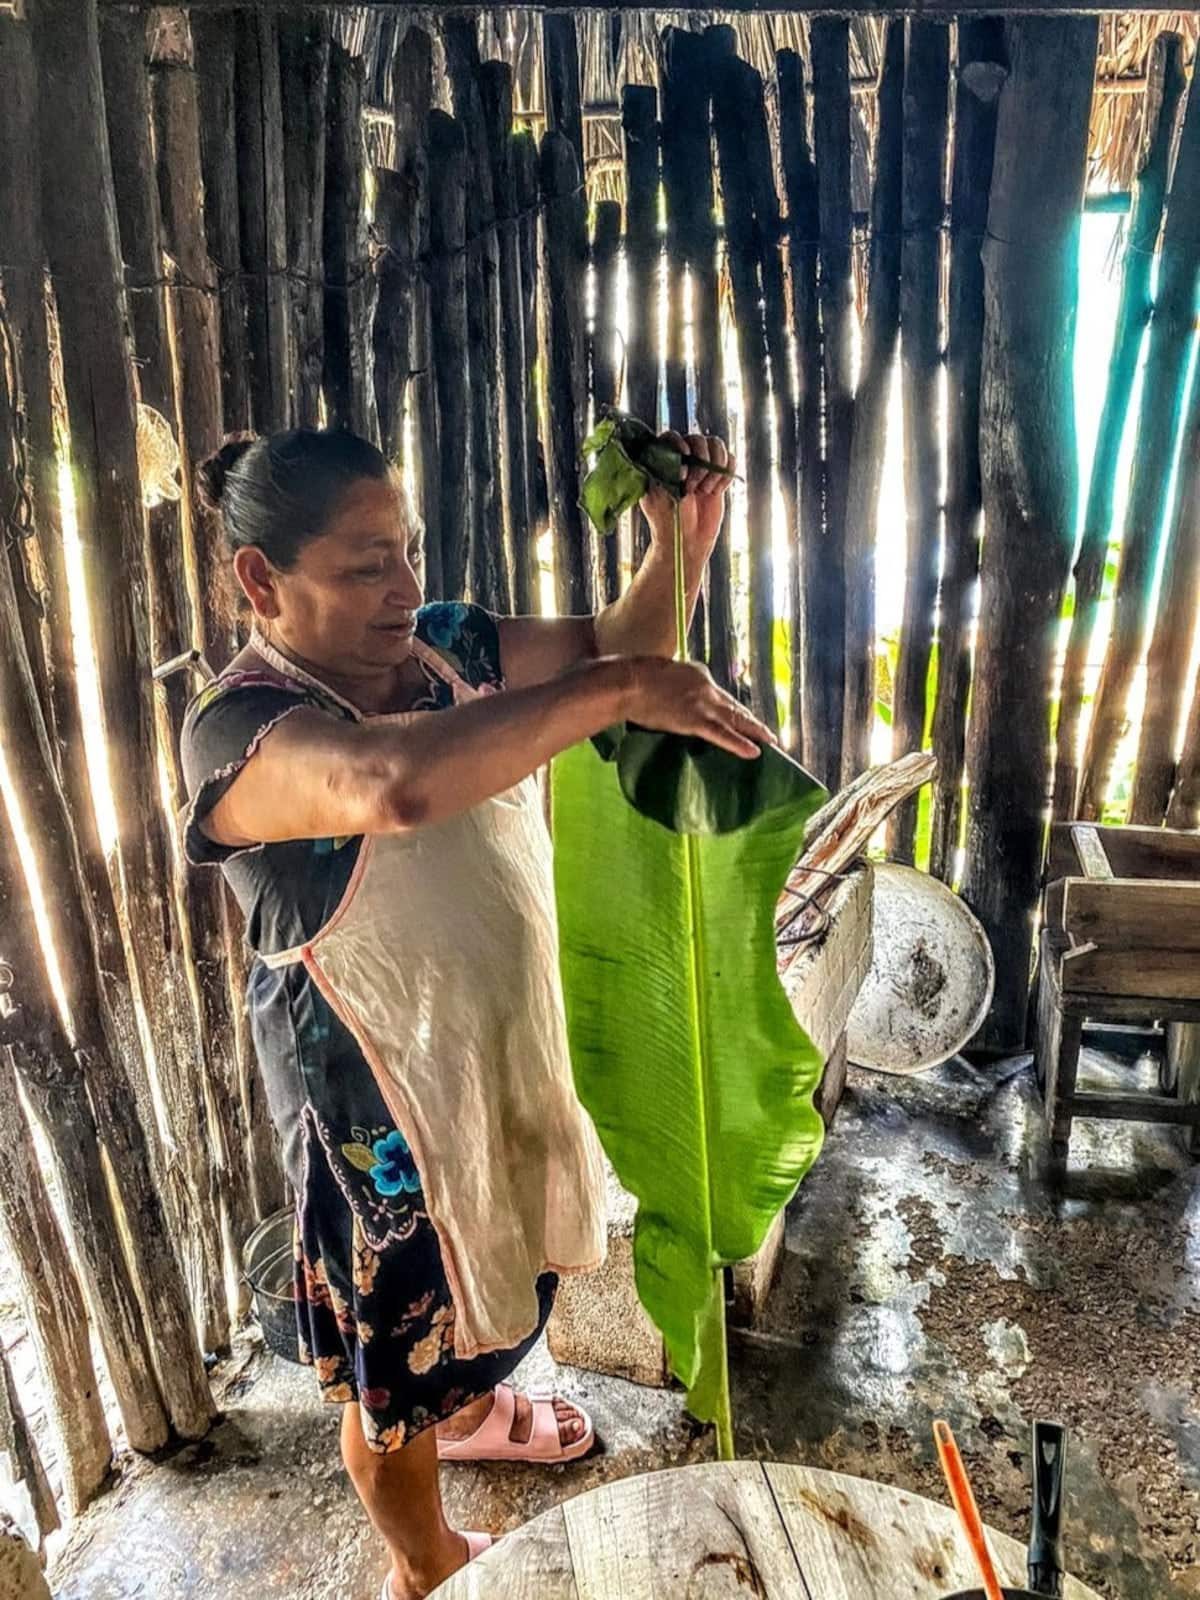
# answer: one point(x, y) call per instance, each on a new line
point(694, 787)
point(684, 1045)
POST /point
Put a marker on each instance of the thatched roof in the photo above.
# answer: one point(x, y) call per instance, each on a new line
point(619, 50)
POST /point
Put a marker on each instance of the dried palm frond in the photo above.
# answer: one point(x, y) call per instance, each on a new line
point(615, 50)
point(1118, 110)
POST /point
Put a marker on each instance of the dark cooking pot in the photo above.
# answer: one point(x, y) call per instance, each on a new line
point(1045, 1530)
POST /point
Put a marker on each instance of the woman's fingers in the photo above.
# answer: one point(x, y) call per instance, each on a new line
point(707, 447)
point(726, 739)
point(697, 476)
point(701, 450)
point(681, 697)
point(741, 731)
point(720, 456)
point(677, 442)
point(746, 722)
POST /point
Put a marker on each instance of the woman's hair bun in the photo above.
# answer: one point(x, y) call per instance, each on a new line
point(211, 475)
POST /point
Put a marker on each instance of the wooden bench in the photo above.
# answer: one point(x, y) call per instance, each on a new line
point(1121, 943)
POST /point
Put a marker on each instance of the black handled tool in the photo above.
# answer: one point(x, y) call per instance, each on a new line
point(1045, 1535)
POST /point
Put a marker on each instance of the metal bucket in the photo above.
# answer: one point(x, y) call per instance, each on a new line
point(267, 1261)
point(931, 978)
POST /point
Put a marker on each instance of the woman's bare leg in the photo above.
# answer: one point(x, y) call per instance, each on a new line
point(401, 1495)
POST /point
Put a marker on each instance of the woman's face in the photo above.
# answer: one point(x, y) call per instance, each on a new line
point(349, 603)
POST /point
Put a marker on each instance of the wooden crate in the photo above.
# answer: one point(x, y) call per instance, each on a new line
point(1125, 905)
point(1121, 942)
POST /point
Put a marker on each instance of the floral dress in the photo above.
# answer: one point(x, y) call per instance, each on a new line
point(374, 1308)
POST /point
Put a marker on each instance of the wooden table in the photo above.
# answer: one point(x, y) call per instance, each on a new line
point(743, 1531)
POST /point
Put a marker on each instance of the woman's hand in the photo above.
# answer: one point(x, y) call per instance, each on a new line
point(703, 503)
point(681, 697)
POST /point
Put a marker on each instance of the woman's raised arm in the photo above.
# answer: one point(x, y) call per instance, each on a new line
point(314, 777)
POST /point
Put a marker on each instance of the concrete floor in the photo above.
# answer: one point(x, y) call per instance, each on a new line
point(929, 1271)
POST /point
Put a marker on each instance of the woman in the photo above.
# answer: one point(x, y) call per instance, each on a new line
point(393, 868)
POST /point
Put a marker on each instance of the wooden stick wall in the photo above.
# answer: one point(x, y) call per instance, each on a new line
point(190, 224)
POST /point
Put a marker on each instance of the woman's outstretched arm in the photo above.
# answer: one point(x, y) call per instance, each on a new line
point(313, 776)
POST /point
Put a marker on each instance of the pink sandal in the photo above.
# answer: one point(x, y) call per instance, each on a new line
point(493, 1441)
point(477, 1543)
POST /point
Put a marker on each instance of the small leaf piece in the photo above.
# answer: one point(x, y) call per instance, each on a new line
point(693, 787)
point(629, 458)
point(360, 1156)
point(613, 487)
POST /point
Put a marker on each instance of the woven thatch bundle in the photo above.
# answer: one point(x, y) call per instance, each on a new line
point(616, 50)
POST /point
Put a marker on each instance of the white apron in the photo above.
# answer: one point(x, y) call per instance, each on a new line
point(442, 961)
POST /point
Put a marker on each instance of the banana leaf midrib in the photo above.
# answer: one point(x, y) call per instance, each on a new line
point(701, 1046)
point(636, 1030)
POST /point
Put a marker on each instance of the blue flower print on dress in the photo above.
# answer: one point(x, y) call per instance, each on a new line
point(395, 1171)
point(444, 622)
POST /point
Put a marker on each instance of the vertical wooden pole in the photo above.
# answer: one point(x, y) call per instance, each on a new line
point(980, 75)
point(783, 408)
point(189, 1086)
point(448, 293)
point(50, 1070)
point(1184, 809)
point(686, 140)
point(1163, 384)
point(205, 1062)
point(562, 90)
point(76, 1116)
point(213, 45)
point(252, 1179)
point(639, 120)
point(926, 82)
point(830, 40)
point(495, 84)
point(401, 224)
point(304, 44)
point(412, 75)
point(80, 223)
point(563, 261)
point(1169, 659)
point(688, 179)
point(349, 401)
point(525, 176)
point(871, 404)
point(395, 223)
point(606, 378)
point(123, 49)
point(606, 248)
point(1164, 88)
point(36, 519)
point(244, 1143)
point(262, 217)
point(489, 580)
point(813, 591)
point(684, 135)
point(27, 1488)
point(1029, 481)
point(53, 1301)
point(56, 1087)
point(26, 309)
point(737, 95)
point(194, 318)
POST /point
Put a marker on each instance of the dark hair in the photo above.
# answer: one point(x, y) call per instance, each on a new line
point(279, 492)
